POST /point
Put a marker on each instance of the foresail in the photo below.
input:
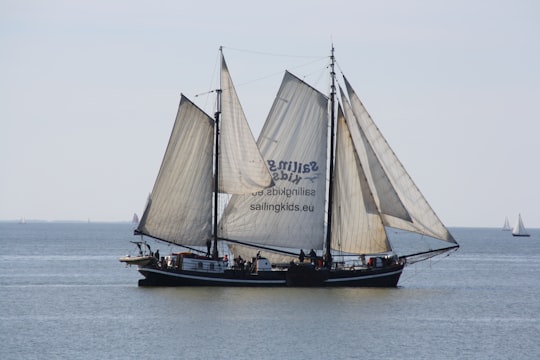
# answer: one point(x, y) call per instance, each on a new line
point(179, 209)
point(385, 195)
point(356, 224)
point(242, 168)
point(420, 217)
point(293, 142)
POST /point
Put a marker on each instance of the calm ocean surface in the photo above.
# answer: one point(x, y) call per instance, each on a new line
point(64, 295)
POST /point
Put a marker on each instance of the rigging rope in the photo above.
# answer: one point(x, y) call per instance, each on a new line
point(314, 60)
point(271, 54)
point(264, 77)
point(417, 271)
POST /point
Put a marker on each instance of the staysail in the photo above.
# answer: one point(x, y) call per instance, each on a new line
point(412, 212)
point(242, 168)
point(379, 183)
point(293, 141)
point(356, 225)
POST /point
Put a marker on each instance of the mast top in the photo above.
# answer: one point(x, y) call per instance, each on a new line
point(328, 242)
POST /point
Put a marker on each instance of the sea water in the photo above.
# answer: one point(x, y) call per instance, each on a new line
point(65, 295)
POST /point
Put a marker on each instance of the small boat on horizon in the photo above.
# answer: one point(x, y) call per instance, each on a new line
point(519, 228)
point(506, 226)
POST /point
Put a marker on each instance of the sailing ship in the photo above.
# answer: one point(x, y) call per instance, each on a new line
point(321, 176)
point(506, 226)
point(519, 228)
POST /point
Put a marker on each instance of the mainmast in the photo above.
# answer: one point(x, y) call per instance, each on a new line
point(328, 254)
point(217, 117)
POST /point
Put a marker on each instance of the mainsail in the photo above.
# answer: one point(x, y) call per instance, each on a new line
point(179, 209)
point(293, 141)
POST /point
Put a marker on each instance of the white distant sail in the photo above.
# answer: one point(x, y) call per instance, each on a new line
point(519, 228)
point(506, 226)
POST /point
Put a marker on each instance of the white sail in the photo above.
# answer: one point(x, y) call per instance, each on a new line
point(179, 209)
point(386, 197)
point(356, 223)
point(519, 228)
point(506, 226)
point(242, 168)
point(293, 142)
point(420, 217)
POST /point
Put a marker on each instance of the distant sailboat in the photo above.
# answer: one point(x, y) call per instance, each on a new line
point(135, 219)
point(519, 228)
point(506, 226)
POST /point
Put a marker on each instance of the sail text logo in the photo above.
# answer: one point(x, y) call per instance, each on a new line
point(291, 171)
point(286, 192)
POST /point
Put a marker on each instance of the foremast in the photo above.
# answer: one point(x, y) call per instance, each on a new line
point(328, 239)
point(217, 118)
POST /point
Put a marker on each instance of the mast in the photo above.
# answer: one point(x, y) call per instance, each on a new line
point(331, 168)
point(217, 117)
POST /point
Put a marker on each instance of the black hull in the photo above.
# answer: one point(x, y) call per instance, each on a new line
point(298, 276)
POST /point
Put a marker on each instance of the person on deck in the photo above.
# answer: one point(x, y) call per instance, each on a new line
point(240, 262)
point(313, 256)
point(302, 256)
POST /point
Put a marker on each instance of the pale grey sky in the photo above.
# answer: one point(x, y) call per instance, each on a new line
point(89, 91)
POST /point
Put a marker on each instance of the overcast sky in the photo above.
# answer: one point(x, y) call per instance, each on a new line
point(89, 91)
